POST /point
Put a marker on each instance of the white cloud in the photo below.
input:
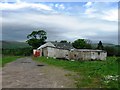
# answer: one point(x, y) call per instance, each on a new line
point(60, 6)
point(18, 1)
point(100, 11)
point(91, 24)
point(110, 15)
point(79, 34)
point(19, 5)
point(68, 23)
point(90, 12)
point(88, 4)
point(56, 5)
point(60, 27)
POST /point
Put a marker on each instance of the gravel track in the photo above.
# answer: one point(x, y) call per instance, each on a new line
point(27, 73)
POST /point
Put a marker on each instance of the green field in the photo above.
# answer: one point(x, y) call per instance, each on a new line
point(7, 59)
point(91, 74)
point(13, 44)
point(0, 61)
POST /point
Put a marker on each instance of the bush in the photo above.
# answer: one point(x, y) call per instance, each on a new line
point(112, 51)
point(18, 52)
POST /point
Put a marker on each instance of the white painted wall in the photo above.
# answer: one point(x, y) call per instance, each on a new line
point(86, 55)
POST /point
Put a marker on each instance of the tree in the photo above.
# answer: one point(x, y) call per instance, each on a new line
point(110, 50)
point(63, 41)
point(88, 44)
point(100, 45)
point(36, 38)
point(81, 44)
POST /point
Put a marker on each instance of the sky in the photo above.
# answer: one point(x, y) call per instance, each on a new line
point(96, 21)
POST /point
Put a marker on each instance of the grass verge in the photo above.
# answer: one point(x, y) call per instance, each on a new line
point(7, 59)
point(93, 74)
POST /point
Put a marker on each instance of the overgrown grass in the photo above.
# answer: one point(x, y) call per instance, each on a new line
point(7, 59)
point(0, 61)
point(92, 73)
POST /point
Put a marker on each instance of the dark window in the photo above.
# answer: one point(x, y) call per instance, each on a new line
point(75, 55)
point(42, 53)
point(98, 53)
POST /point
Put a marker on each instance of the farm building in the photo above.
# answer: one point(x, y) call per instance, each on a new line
point(88, 54)
point(66, 51)
point(55, 49)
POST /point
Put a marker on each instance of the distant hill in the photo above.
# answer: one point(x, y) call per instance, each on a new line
point(13, 44)
point(16, 44)
point(104, 44)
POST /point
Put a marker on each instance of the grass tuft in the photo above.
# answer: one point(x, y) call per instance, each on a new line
point(7, 59)
point(91, 73)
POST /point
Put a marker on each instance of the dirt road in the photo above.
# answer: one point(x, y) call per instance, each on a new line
point(26, 73)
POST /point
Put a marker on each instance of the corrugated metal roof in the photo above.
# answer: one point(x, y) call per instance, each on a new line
point(67, 46)
point(90, 50)
point(63, 45)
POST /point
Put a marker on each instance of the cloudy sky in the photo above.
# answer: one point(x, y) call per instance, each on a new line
point(61, 20)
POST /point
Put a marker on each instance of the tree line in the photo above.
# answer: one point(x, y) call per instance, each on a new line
point(18, 51)
point(38, 38)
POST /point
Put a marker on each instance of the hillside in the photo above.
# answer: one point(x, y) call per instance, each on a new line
point(94, 45)
point(16, 44)
point(13, 44)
